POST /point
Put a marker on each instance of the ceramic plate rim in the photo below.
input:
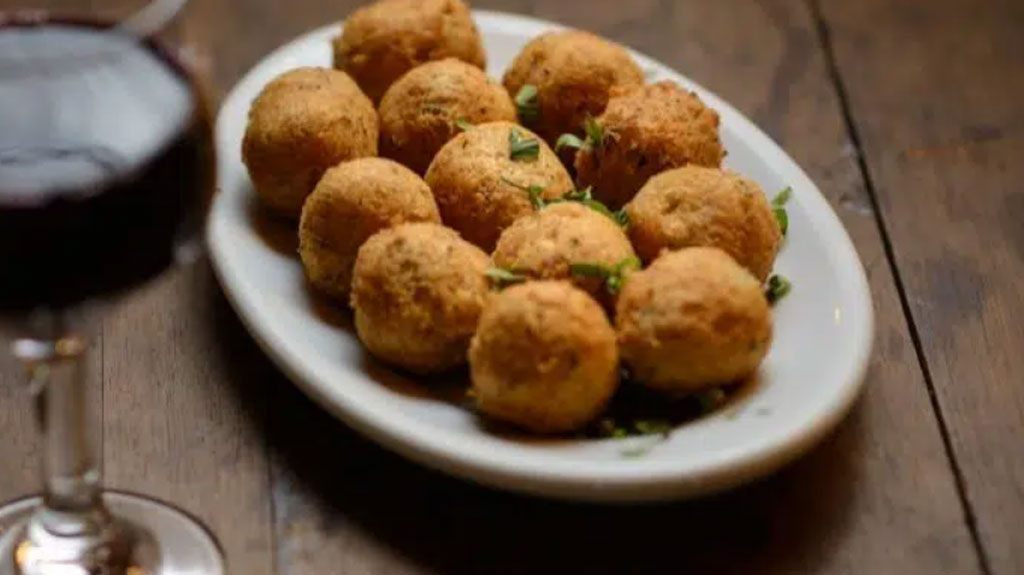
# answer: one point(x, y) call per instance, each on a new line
point(473, 458)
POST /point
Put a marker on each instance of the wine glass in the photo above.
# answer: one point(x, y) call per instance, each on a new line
point(105, 174)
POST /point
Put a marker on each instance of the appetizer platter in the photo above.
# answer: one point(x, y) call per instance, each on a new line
point(532, 258)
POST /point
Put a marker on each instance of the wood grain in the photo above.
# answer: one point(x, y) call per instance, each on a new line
point(19, 449)
point(878, 497)
point(183, 414)
point(936, 90)
point(195, 414)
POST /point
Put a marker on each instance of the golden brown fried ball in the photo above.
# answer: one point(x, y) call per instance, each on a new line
point(479, 187)
point(382, 41)
point(696, 206)
point(692, 320)
point(543, 245)
point(421, 111)
point(544, 357)
point(301, 124)
point(573, 72)
point(353, 201)
point(647, 129)
point(418, 290)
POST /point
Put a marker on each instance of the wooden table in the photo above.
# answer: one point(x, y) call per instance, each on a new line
point(909, 114)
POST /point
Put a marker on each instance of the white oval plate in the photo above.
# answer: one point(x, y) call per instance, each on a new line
point(823, 330)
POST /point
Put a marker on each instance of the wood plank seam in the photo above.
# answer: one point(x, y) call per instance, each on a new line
point(851, 127)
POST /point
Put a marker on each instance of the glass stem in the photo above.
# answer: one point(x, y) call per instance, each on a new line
point(71, 460)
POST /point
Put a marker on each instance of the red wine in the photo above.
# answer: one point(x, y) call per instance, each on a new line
point(105, 162)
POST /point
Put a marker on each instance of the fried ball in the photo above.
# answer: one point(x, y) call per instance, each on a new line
point(543, 246)
point(481, 189)
point(696, 206)
point(418, 290)
point(353, 201)
point(544, 357)
point(382, 41)
point(647, 129)
point(422, 110)
point(694, 319)
point(301, 124)
point(573, 72)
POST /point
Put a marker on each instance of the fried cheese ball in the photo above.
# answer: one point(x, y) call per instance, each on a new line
point(353, 201)
point(418, 290)
point(423, 109)
point(543, 357)
point(382, 41)
point(647, 129)
point(481, 183)
point(302, 123)
point(545, 244)
point(573, 72)
point(696, 206)
point(694, 319)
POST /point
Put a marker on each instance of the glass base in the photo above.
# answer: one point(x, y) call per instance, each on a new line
point(158, 540)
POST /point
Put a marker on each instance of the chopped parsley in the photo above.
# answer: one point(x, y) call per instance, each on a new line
point(778, 287)
point(526, 103)
point(594, 131)
point(652, 426)
point(463, 125)
point(594, 137)
point(779, 209)
point(584, 197)
point(710, 399)
point(535, 191)
point(502, 278)
point(614, 276)
point(522, 147)
point(649, 417)
point(569, 141)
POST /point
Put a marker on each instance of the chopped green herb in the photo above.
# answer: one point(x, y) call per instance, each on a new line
point(503, 278)
point(652, 426)
point(778, 203)
point(628, 264)
point(620, 273)
point(569, 141)
point(594, 137)
point(536, 199)
point(522, 147)
point(613, 284)
point(526, 103)
point(535, 191)
point(778, 287)
point(782, 197)
point(584, 197)
point(622, 217)
point(614, 276)
point(594, 131)
point(711, 399)
point(600, 208)
point(463, 125)
point(578, 195)
point(782, 218)
point(591, 270)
